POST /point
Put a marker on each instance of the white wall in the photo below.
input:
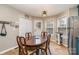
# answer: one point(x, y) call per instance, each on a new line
point(73, 11)
point(8, 13)
point(69, 12)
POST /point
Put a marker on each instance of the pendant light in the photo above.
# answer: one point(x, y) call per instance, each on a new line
point(44, 13)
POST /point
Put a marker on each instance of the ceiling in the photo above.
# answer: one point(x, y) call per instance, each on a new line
point(36, 9)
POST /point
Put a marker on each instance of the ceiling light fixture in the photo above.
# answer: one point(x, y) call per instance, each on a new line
point(44, 13)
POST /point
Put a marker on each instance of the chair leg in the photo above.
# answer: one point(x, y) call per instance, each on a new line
point(49, 50)
point(41, 51)
point(46, 52)
point(20, 51)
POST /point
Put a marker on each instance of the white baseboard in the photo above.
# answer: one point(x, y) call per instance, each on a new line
point(2, 52)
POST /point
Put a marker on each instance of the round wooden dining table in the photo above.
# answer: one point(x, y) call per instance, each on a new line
point(36, 41)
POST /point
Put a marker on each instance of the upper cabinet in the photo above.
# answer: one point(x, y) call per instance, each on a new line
point(62, 22)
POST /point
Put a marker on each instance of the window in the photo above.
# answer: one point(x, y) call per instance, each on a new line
point(49, 28)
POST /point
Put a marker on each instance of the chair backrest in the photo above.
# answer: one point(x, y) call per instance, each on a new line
point(44, 34)
point(22, 48)
point(28, 35)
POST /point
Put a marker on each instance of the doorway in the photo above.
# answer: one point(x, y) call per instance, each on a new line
point(38, 27)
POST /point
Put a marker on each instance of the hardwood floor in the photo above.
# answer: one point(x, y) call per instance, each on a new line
point(55, 50)
point(58, 50)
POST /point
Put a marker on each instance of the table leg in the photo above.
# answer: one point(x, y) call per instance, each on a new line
point(37, 52)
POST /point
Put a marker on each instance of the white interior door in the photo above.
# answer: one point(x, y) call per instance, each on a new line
point(38, 27)
point(25, 25)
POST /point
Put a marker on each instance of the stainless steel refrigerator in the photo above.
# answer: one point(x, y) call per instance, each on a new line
point(73, 35)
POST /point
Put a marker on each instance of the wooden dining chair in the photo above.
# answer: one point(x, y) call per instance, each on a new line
point(23, 50)
point(28, 35)
point(48, 43)
point(44, 34)
point(46, 46)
